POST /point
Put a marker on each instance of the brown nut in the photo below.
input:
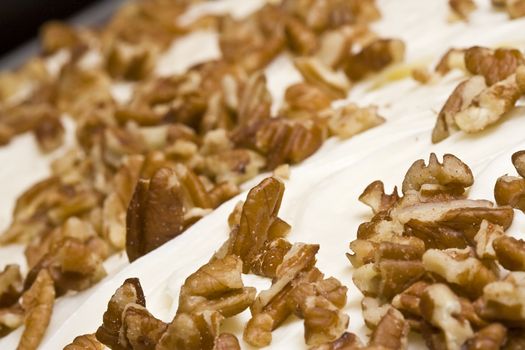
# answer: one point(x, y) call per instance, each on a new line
point(216, 286)
point(453, 58)
point(510, 252)
point(140, 329)
point(191, 331)
point(350, 120)
point(300, 39)
point(492, 337)
point(37, 303)
point(85, 342)
point(323, 322)
point(453, 175)
point(462, 8)
point(129, 293)
point(493, 65)
point(258, 330)
point(375, 197)
point(510, 190)
point(316, 73)
point(391, 332)
point(442, 308)
point(10, 285)
point(485, 238)
point(374, 57)
point(226, 341)
point(10, 319)
point(49, 134)
point(155, 214)
point(460, 99)
point(515, 8)
point(459, 268)
point(489, 105)
point(518, 160)
point(503, 301)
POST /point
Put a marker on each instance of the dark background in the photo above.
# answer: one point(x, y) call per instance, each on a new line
point(21, 19)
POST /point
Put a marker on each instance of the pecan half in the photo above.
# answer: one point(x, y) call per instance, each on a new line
point(155, 214)
point(37, 303)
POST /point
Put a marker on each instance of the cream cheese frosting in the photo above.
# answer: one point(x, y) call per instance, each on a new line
point(320, 200)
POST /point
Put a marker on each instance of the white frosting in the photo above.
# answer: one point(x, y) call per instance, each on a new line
point(320, 201)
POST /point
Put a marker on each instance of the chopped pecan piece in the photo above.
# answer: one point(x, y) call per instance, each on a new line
point(510, 190)
point(492, 337)
point(462, 8)
point(453, 58)
point(109, 332)
point(347, 341)
point(37, 303)
point(510, 252)
point(391, 332)
point(10, 319)
point(518, 160)
point(226, 341)
point(155, 214)
point(442, 308)
point(460, 99)
point(304, 100)
point(235, 166)
point(301, 39)
point(85, 342)
point(316, 73)
point(515, 8)
point(374, 57)
point(10, 285)
point(373, 311)
point(459, 268)
point(140, 330)
point(375, 197)
point(49, 134)
point(216, 286)
point(191, 331)
point(503, 301)
point(451, 176)
point(489, 105)
point(350, 120)
point(493, 65)
point(323, 322)
point(484, 239)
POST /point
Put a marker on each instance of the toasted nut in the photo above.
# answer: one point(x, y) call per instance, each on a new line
point(374, 57)
point(459, 268)
point(494, 336)
point(515, 8)
point(373, 311)
point(270, 257)
point(453, 175)
point(49, 134)
point(10, 285)
point(408, 301)
point(301, 39)
point(510, 252)
point(391, 332)
point(460, 99)
point(485, 239)
point(130, 61)
point(316, 73)
point(140, 328)
point(236, 166)
point(85, 342)
point(489, 106)
point(493, 65)
point(347, 341)
point(10, 319)
point(216, 286)
point(442, 308)
point(518, 160)
point(226, 341)
point(503, 301)
point(155, 214)
point(57, 35)
point(323, 322)
point(129, 293)
point(453, 58)
point(350, 120)
point(375, 197)
point(258, 330)
point(191, 331)
point(37, 303)
point(510, 190)
point(462, 8)
point(305, 97)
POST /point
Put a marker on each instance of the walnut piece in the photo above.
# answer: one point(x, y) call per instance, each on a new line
point(37, 303)
point(216, 286)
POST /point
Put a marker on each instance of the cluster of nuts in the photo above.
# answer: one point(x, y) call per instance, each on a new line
point(495, 85)
point(256, 245)
point(437, 263)
point(146, 167)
